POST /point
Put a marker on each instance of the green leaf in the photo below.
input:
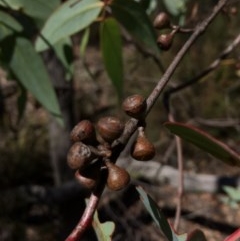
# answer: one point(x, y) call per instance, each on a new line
point(176, 7)
point(111, 47)
point(159, 217)
point(196, 235)
point(155, 212)
point(135, 20)
point(69, 18)
point(8, 25)
point(84, 42)
point(29, 68)
point(205, 142)
point(233, 193)
point(63, 50)
point(39, 9)
point(104, 231)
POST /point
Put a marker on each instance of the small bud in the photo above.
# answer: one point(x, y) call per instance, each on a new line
point(84, 131)
point(165, 40)
point(79, 155)
point(162, 21)
point(134, 106)
point(118, 177)
point(143, 149)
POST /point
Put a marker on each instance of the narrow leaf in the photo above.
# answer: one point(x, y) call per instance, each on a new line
point(8, 25)
point(69, 18)
point(111, 47)
point(63, 50)
point(232, 192)
point(84, 42)
point(104, 231)
point(196, 235)
point(205, 142)
point(28, 67)
point(159, 217)
point(135, 20)
point(39, 9)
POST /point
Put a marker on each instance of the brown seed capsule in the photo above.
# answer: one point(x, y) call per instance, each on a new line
point(134, 106)
point(79, 155)
point(89, 176)
point(109, 128)
point(162, 21)
point(165, 41)
point(84, 131)
point(143, 149)
point(118, 178)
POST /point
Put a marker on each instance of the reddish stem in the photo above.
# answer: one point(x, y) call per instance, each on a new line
point(86, 220)
point(234, 236)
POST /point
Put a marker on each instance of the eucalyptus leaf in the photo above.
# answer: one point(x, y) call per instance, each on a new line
point(8, 25)
point(71, 17)
point(104, 231)
point(29, 68)
point(39, 9)
point(84, 42)
point(159, 217)
point(205, 142)
point(176, 7)
point(63, 50)
point(233, 193)
point(111, 48)
point(135, 20)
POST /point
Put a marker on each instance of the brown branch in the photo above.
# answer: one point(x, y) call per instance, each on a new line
point(132, 124)
point(214, 65)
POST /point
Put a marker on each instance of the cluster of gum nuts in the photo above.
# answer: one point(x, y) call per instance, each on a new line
point(165, 40)
point(91, 152)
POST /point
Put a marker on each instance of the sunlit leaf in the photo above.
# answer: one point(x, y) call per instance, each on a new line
point(104, 231)
point(159, 217)
point(8, 25)
point(35, 8)
point(71, 17)
point(111, 47)
point(196, 235)
point(28, 67)
point(135, 20)
point(204, 141)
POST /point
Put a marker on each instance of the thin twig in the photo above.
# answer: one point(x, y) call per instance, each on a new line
point(205, 72)
point(180, 176)
point(180, 182)
point(132, 124)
